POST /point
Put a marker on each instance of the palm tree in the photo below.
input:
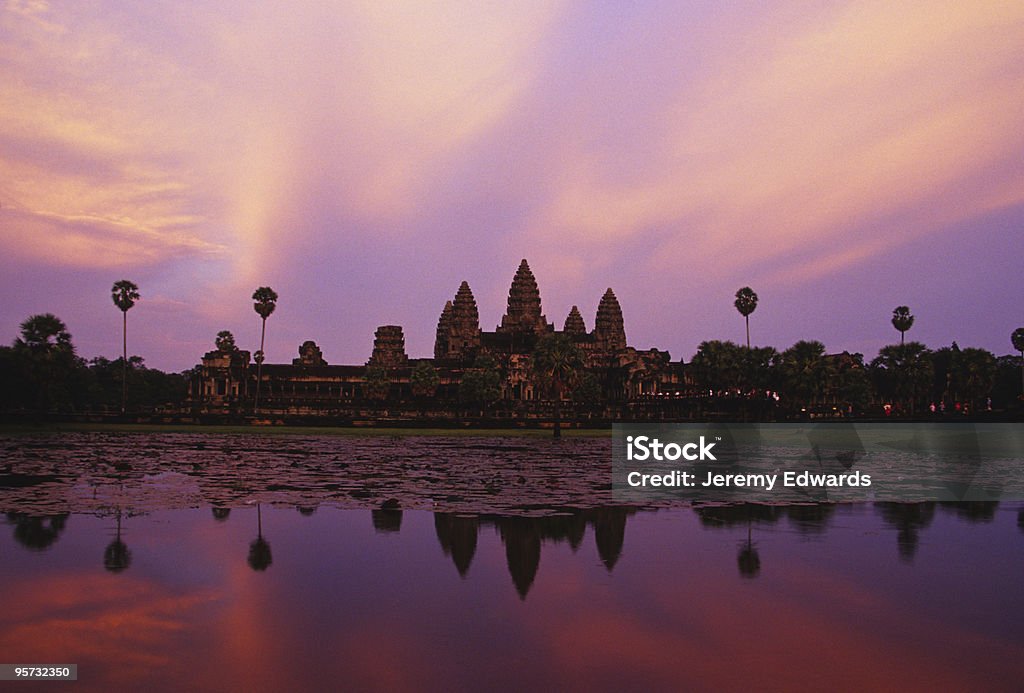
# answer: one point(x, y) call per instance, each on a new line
point(124, 294)
point(378, 382)
point(974, 374)
point(806, 372)
point(1018, 343)
point(265, 301)
point(905, 371)
point(718, 366)
point(225, 342)
point(902, 320)
point(746, 303)
point(424, 382)
point(481, 383)
point(44, 333)
point(557, 365)
point(48, 359)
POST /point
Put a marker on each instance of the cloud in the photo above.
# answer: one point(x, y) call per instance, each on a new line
point(842, 120)
point(94, 167)
point(93, 243)
point(335, 149)
point(363, 110)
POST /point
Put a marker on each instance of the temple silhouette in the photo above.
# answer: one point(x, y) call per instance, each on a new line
point(623, 378)
point(524, 537)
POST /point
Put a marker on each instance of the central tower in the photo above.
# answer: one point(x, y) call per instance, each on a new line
point(524, 312)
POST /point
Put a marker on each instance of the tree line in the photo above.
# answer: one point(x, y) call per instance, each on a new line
point(906, 378)
point(41, 372)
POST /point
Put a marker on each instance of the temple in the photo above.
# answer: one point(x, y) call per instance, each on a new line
point(620, 378)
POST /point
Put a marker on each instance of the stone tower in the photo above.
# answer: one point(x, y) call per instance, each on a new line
point(442, 342)
point(309, 355)
point(524, 313)
point(574, 323)
point(388, 347)
point(609, 332)
point(458, 328)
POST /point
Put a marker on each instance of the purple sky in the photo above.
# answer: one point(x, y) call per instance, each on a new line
point(363, 159)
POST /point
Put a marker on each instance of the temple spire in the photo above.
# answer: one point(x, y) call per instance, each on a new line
point(458, 328)
point(444, 328)
point(609, 332)
point(524, 312)
point(574, 323)
point(388, 347)
point(465, 317)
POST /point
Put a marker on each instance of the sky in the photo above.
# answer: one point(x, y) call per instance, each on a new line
point(365, 157)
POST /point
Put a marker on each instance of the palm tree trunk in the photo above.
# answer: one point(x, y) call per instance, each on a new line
point(259, 367)
point(747, 319)
point(902, 335)
point(124, 361)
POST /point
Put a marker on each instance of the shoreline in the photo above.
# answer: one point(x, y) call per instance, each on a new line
point(8, 428)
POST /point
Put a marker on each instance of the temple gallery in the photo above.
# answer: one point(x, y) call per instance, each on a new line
point(613, 376)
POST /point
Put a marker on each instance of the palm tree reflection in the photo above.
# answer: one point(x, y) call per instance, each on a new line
point(811, 518)
point(972, 511)
point(37, 532)
point(220, 514)
point(907, 519)
point(259, 550)
point(117, 557)
point(748, 561)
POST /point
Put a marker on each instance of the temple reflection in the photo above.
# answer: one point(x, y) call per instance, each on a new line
point(573, 590)
point(457, 534)
point(523, 538)
point(388, 518)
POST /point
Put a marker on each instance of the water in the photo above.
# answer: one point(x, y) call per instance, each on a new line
point(217, 584)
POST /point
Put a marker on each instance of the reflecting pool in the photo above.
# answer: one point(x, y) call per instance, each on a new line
point(263, 594)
